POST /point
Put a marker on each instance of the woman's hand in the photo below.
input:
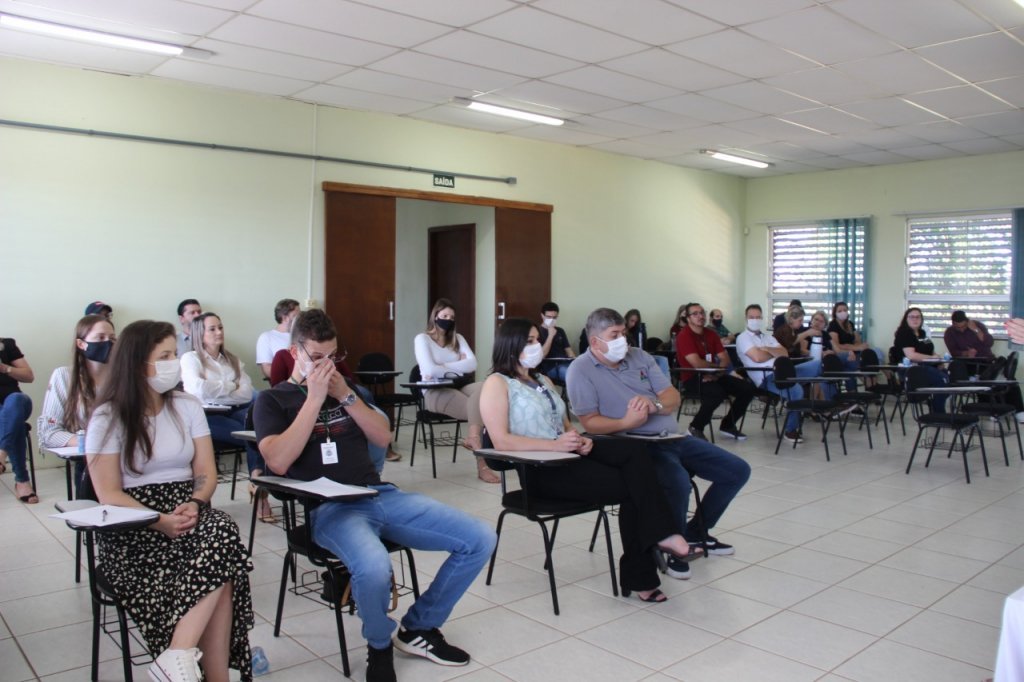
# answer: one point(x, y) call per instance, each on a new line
point(569, 441)
point(586, 445)
point(174, 524)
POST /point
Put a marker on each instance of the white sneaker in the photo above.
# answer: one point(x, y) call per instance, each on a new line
point(177, 665)
point(1020, 417)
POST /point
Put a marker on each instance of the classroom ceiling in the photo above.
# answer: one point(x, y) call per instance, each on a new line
point(807, 85)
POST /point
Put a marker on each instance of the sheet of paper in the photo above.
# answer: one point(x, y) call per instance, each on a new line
point(106, 515)
point(321, 486)
point(533, 455)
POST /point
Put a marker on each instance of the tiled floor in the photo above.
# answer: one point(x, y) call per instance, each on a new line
point(844, 570)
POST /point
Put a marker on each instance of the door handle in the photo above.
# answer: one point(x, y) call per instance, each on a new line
point(501, 315)
point(391, 311)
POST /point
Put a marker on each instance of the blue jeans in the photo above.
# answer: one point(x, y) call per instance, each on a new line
point(378, 453)
point(557, 371)
point(221, 426)
point(353, 532)
point(812, 368)
point(675, 460)
point(14, 412)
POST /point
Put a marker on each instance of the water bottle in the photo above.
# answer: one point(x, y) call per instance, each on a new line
point(260, 664)
point(906, 361)
point(816, 347)
point(947, 357)
point(81, 441)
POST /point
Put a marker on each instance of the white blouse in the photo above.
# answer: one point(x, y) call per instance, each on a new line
point(217, 382)
point(436, 361)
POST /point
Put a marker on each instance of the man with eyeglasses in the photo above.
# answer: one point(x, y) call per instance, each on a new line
point(700, 347)
point(315, 425)
point(555, 344)
point(618, 390)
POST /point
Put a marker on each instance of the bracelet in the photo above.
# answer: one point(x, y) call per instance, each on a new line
point(203, 504)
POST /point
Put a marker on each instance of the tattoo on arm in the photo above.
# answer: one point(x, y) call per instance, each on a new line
point(198, 482)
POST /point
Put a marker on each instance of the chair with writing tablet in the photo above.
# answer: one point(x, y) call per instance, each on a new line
point(426, 421)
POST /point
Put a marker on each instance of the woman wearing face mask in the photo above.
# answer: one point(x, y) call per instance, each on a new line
point(184, 579)
point(522, 411)
point(443, 353)
point(71, 393)
point(215, 375)
point(844, 335)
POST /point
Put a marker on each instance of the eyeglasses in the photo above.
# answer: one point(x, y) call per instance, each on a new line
point(698, 313)
point(335, 357)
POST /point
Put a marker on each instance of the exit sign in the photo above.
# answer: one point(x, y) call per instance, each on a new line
point(444, 180)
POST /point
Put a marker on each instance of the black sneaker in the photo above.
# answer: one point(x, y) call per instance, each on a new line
point(715, 546)
point(794, 437)
point(732, 432)
point(430, 644)
point(677, 568)
point(380, 664)
point(697, 433)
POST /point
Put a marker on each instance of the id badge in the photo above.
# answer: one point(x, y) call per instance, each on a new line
point(329, 452)
point(707, 358)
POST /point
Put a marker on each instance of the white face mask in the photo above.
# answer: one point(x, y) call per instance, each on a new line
point(305, 367)
point(616, 349)
point(531, 355)
point(843, 316)
point(550, 321)
point(754, 324)
point(168, 375)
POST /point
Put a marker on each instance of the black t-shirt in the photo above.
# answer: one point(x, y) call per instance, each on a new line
point(275, 411)
point(558, 344)
point(908, 338)
point(846, 338)
point(9, 352)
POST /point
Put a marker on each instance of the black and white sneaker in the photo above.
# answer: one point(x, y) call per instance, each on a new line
point(677, 568)
point(430, 644)
point(697, 433)
point(717, 547)
point(732, 432)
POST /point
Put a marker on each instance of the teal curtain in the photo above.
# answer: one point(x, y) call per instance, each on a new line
point(846, 272)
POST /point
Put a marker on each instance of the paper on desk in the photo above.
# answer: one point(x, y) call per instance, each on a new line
point(93, 516)
point(322, 486)
point(531, 455)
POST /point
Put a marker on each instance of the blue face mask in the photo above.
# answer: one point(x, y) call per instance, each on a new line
point(98, 351)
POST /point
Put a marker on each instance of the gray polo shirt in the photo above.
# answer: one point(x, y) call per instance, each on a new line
point(595, 388)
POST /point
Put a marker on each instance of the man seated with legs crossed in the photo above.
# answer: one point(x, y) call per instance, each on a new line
point(315, 425)
point(698, 346)
point(615, 389)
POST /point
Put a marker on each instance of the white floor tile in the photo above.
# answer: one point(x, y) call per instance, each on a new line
point(865, 612)
point(719, 612)
point(585, 661)
point(730, 660)
point(649, 638)
point(805, 639)
point(887, 660)
point(785, 590)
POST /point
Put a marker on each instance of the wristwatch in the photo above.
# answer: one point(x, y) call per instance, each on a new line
point(349, 400)
point(658, 404)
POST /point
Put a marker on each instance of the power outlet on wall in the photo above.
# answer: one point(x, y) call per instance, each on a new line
point(311, 303)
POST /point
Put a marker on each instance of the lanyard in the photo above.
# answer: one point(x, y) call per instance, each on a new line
point(555, 423)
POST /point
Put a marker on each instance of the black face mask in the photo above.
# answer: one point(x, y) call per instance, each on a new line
point(717, 321)
point(98, 351)
point(444, 325)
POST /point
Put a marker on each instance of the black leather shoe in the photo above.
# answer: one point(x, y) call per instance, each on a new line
point(380, 664)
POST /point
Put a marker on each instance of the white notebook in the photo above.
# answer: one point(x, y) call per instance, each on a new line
point(321, 486)
point(106, 515)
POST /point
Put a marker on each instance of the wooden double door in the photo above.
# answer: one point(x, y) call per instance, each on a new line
point(360, 241)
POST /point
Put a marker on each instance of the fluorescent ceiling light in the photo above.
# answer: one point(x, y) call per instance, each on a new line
point(91, 36)
point(732, 158)
point(511, 113)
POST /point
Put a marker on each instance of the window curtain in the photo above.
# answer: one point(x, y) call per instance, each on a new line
point(846, 276)
point(1017, 272)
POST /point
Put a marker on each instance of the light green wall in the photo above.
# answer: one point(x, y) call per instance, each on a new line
point(883, 192)
point(142, 225)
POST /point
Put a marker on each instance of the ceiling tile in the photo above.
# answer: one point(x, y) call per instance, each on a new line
point(878, 158)
point(835, 163)
point(784, 150)
point(233, 5)
point(739, 12)
point(560, 135)
point(987, 145)
point(297, 40)
point(611, 84)
point(613, 129)
point(885, 139)
point(491, 53)
point(265, 61)
point(559, 97)
point(899, 73)
point(828, 120)
point(775, 129)
point(650, 21)
point(649, 118)
point(761, 98)
point(965, 100)
point(913, 23)
point(740, 53)
point(825, 85)
point(464, 118)
point(1004, 14)
point(547, 32)
point(1010, 89)
point(358, 99)
point(891, 111)
point(351, 19)
point(983, 58)
point(941, 131)
point(693, 160)
point(73, 53)
point(1006, 123)
point(830, 144)
point(437, 70)
point(662, 66)
point(821, 35)
point(397, 86)
point(703, 108)
point(235, 79)
point(630, 148)
point(713, 136)
point(153, 19)
point(928, 152)
point(458, 13)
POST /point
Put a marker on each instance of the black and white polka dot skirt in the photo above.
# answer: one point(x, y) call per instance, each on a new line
point(159, 579)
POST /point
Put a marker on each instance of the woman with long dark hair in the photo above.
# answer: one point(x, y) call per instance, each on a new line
point(443, 353)
point(71, 393)
point(911, 342)
point(184, 579)
point(522, 411)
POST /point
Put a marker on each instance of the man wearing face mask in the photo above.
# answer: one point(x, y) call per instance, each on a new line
point(718, 326)
point(618, 390)
point(554, 344)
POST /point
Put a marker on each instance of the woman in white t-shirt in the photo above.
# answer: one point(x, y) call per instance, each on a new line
point(443, 353)
point(216, 376)
point(184, 579)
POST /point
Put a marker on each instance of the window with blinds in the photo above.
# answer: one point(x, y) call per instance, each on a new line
point(960, 263)
point(818, 264)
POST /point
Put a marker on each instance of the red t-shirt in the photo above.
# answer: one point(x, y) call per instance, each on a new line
point(687, 342)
